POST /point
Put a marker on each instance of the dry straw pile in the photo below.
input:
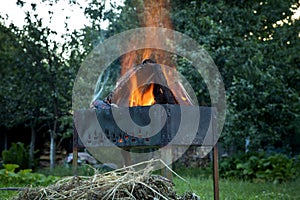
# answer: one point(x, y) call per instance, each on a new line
point(125, 183)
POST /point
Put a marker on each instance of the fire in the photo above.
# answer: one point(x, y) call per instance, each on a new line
point(155, 14)
point(142, 96)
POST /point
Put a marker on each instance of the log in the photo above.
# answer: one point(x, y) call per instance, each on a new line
point(144, 75)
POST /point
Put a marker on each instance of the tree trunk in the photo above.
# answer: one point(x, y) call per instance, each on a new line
point(5, 141)
point(32, 145)
point(52, 151)
point(53, 146)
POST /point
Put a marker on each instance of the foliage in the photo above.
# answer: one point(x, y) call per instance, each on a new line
point(260, 167)
point(36, 79)
point(17, 154)
point(256, 59)
point(10, 167)
point(8, 176)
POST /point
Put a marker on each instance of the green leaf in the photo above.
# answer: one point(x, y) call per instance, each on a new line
point(10, 167)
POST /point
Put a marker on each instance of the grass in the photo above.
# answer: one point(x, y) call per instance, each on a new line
point(229, 189)
point(7, 194)
point(202, 185)
point(240, 190)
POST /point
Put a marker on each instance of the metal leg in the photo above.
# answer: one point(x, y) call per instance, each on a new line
point(75, 151)
point(216, 173)
point(167, 156)
point(126, 156)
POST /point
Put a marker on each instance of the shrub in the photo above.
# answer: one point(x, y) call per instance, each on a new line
point(17, 154)
point(8, 176)
point(260, 167)
point(296, 164)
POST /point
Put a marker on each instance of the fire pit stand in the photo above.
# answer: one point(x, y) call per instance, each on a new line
point(85, 136)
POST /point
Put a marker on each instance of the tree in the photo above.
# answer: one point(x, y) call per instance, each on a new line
point(256, 58)
point(52, 82)
point(37, 80)
point(17, 107)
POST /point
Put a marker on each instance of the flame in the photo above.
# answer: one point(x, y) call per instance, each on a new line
point(142, 96)
point(155, 13)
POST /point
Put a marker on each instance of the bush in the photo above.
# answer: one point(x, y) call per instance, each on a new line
point(17, 154)
point(296, 165)
point(260, 167)
point(8, 176)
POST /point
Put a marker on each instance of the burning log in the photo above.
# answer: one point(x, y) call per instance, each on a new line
point(147, 84)
point(163, 95)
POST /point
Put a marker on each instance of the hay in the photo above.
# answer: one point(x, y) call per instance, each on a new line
point(125, 183)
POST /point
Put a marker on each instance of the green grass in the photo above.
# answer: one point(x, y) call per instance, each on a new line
point(6, 194)
point(239, 190)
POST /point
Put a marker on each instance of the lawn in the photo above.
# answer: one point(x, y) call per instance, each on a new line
point(235, 189)
point(229, 189)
